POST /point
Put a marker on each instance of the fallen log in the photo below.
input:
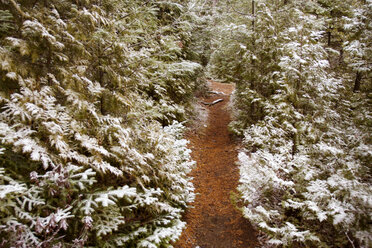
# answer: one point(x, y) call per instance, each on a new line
point(216, 92)
point(212, 103)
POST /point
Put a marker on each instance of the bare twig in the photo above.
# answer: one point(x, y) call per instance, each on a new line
point(351, 242)
point(237, 11)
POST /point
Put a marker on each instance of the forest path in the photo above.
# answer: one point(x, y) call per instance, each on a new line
point(213, 221)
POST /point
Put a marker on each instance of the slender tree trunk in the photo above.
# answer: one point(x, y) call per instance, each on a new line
point(358, 78)
point(294, 146)
point(102, 103)
point(341, 58)
point(253, 13)
point(329, 37)
point(49, 59)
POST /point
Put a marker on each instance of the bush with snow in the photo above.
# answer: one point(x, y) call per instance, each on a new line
point(90, 95)
point(305, 176)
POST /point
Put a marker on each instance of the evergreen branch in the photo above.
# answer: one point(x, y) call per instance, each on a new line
point(19, 10)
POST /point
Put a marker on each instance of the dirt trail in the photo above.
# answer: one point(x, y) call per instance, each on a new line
point(213, 222)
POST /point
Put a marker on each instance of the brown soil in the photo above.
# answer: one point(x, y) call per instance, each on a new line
point(213, 221)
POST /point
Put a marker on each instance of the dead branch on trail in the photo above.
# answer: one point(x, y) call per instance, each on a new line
point(212, 103)
point(216, 92)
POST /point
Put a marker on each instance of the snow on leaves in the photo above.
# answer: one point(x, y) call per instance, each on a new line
point(303, 174)
point(84, 157)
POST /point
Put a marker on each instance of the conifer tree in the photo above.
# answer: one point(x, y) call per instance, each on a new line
point(358, 46)
point(304, 179)
point(91, 150)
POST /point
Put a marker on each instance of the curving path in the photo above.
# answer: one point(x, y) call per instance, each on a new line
point(213, 221)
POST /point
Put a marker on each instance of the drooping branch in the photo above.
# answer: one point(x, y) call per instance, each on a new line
point(237, 11)
point(19, 10)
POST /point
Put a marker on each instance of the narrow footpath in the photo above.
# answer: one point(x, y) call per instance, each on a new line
point(213, 221)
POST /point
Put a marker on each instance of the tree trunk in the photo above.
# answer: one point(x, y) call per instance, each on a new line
point(253, 17)
point(329, 37)
point(102, 103)
point(294, 145)
point(358, 78)
point(341, 58)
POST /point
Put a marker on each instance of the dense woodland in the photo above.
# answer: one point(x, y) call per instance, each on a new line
point(95, 96)
point(303, 71)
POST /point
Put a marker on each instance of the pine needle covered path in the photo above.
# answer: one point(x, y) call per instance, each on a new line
point(213, 221)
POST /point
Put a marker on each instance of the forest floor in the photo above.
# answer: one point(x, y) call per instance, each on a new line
point(213, 221)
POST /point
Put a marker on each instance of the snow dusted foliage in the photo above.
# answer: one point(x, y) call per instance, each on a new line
point(305, 177)
point(91, 153)
point(358, 47)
